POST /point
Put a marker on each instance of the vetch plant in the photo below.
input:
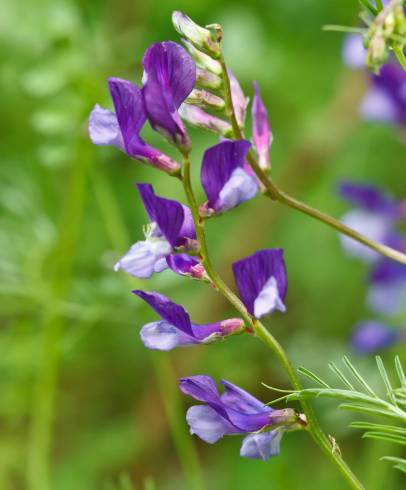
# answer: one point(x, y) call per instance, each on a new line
point(194, 84)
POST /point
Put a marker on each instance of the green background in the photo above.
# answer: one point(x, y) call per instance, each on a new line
point(84, 406)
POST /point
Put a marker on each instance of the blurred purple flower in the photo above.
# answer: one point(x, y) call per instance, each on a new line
point(375, 216)
point(225, 178)
point(386, 98)
point(261, 130)
point(169, 77)
point(235, 412)
point(171, 226)
point(372, 336)
point(175, 328)
point(122, 128)
point(262, 282)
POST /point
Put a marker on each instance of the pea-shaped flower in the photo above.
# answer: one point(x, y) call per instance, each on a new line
point(236, 412)
point(175, 328)
point(262, 282)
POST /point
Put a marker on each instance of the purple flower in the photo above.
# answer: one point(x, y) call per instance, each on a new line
point(169, 77)
point(375, 216)
point(262, 282)
point(175, 328)
point(261, 130)
point(240, 102)
point(235, 412)
point(122, 128)
point(171, 227)
point(372, 336)
point(225, 177)
point(386, 98)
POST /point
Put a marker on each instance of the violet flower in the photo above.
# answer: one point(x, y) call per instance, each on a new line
point(226, 178)
point(171, 227)
point(175, 328)
point(385, 100)
point(261, 130)
point(169, 77)
point(122, 128)
point(372, 336)
point(235, 412)
point(262, 282)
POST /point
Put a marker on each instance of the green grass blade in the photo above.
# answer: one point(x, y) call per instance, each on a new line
point(341, 375)
point(312, 376)
point(358, 376)
point(385, 378)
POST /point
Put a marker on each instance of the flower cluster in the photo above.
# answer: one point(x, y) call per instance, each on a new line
point(184, 83)
point(377, 215)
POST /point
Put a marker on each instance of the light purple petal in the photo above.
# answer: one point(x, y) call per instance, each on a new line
point(261, 446)
point(170, 75)
point(170, 312)
point(207, 424)
point(253, 276)
point(372, 336)
point(104, 128)
point(387, 291)
point(375, 226)
point(261, 130)
point(368, 197)
point(354, 53)
point(377, 105)
point(144, 258)
point(164, 336)
point(223, 177)
point(240, 102)
point(239, 399)
point(198, 117)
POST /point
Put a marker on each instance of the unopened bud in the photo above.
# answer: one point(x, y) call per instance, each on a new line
point(207, 79)
point(377, 53)
point(197, 117)
point(204, 39)
point(232, 325)
point(203, 59)
point(203, 98)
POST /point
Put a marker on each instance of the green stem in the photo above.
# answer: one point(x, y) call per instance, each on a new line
point(261, 332)
point(398, 51)
point(273, 192)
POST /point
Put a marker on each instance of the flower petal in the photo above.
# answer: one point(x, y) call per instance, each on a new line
point(104, 128)
point(164, 336)
point(171, 312)
point(372, 336)
point(207, 424)
point(354, 53)
point(254, 275)
point(240, 102)
point(182, 264)
point(170, 76)
point(144, 258)
point(261, 446)
point(261, 131)
point(368, 197)
point(239, 399)
point(223, 177)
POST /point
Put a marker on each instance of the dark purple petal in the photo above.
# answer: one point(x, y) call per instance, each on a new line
point(223, 176)
point(170, 75)
point(204, 389)
point(104, 128)
point(207, 424)
point(367, 197)
point(239, 399)
point(171, 312)
point(372, 336)
point(261, 131)
point(183, 264)
point(164, 336)
point(261, 281)
point(173, 219)
point(130, 113)
point(261, 446)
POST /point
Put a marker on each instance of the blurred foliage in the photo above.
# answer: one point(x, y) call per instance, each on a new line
point(83, 405)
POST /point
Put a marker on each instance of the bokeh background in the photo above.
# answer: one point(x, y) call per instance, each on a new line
point(83, 405)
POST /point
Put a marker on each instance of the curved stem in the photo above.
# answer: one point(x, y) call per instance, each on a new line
point(273, 192)
point(262, 333)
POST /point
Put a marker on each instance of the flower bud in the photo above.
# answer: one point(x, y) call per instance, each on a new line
point(203, 59)
point(203, 98)
point(197, 117)
point(377, 53)
point(232, 325)
point(207, 79)
point(204, 39)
